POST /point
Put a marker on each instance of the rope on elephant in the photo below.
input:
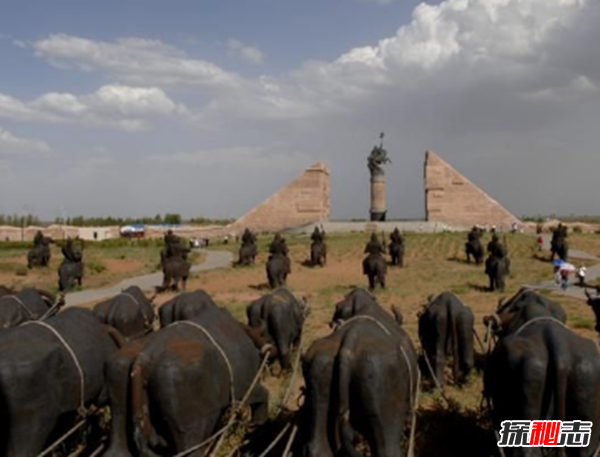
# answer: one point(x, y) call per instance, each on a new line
point(239, 406)
point(81, 410)
point(276, 440)
point(288, 446)
point(413, 422)
point(237, 449)
point(127, 294)
point(21, 305)
point(60, 301)
point(412, 395)
point(433, 376)
point(219, 349)
point(54, 445)
point(66, 435)
point(204, 443)
point(232, 418)
point(365, 318)
point(388, 333)
point(539, 319)
point(479, 341)
point(288, 391)
point(147, 323)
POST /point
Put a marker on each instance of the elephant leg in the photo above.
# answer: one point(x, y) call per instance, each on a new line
point(259, 404)
point(166, 280)
point(27, 436)
point(28, 413)
point(385, 409)
point(466, 343)
point(381, 277)
point(319, 374)
point(371, 281)
point(117, 373)
point(500, 283)
point(439, 362)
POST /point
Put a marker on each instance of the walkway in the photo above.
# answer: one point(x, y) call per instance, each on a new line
point(573, 290)
point(214, 260)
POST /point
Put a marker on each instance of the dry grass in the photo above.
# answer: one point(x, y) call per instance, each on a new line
point(104, 265)
point(433, 263)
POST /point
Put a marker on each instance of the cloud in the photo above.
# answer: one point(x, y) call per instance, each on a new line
point(459, 49)
point(250, 54)
point(134, 60)
point(123, 107)
point(503, 89)
point(243, 157)
point(13, 145)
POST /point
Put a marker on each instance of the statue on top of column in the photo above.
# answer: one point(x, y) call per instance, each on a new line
point(378, 158)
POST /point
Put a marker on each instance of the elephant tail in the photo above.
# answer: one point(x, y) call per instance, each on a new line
point(453, 335)
point(344, 428)
point(140, 408)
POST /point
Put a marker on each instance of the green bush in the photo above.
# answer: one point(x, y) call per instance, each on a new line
point(21, 271)
point(96, 267)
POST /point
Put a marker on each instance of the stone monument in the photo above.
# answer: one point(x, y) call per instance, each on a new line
point(376, 160)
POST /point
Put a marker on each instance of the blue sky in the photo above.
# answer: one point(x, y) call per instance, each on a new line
point(206, 107)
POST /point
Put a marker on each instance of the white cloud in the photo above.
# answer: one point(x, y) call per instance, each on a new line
point(11, 144)
point(456, 47)
point(493, 85)
point(134, 60)
point(124, 107)
point(250, 54)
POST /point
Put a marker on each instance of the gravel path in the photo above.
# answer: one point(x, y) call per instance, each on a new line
point(214, 260)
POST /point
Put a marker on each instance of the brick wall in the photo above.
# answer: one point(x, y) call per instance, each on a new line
point(453, 199)
point(305, 200)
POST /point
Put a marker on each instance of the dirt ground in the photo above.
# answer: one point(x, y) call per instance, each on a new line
point(104, 265)
point(433, 264)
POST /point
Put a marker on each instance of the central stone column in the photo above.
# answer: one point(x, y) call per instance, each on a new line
point(377, 159)
point(378, 206)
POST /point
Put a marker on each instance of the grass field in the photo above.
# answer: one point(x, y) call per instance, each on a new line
point(105, 263)
point(433, 263)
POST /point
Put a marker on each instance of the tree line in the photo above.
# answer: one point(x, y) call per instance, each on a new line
point(106, 221)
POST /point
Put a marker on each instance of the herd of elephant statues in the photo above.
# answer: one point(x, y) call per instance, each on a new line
point(182, 378)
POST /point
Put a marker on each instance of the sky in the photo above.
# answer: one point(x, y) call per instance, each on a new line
point(206, 107)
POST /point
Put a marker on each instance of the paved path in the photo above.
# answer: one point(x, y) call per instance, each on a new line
point(214, 260)
point(573, 290)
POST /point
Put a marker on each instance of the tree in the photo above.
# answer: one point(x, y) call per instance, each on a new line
point(172, 219)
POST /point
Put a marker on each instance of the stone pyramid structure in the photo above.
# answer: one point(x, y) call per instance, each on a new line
point(303, 201)
point(452, 199)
